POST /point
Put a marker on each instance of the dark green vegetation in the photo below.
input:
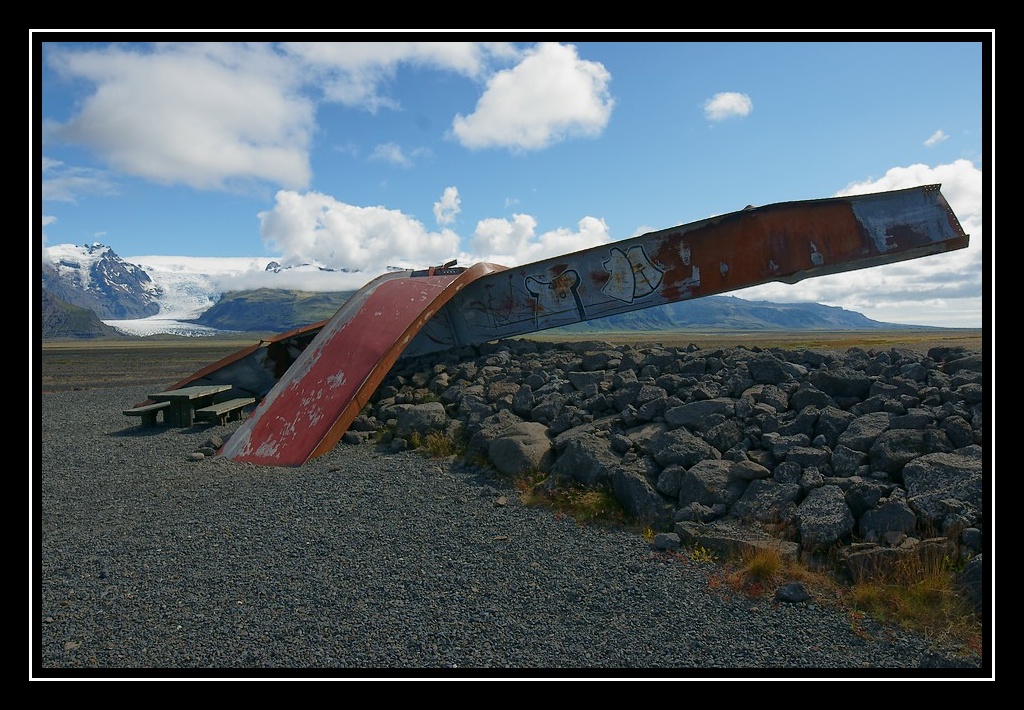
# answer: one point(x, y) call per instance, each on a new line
point(272, 310)
point(57, 316)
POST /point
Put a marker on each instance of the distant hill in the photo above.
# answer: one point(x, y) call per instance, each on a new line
point(729, 313)
point(270, 310)
point(60, 319)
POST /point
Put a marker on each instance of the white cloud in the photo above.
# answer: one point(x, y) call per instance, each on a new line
point(936, 138)
point(446, 209)
point(727, 104)
point(210, 116)
point(353, 73)
point(61, 183)
point(47, 220)
point(234, 116)
point(514, 242)
point(390, 153)
point(313, 226)
point(551, 95)
point(941, 289)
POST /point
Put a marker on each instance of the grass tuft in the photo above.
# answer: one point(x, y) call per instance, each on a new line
point(581, 503)
point(919, 595)
point(436, 444)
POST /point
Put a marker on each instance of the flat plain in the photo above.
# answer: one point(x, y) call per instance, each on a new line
point(79, 364)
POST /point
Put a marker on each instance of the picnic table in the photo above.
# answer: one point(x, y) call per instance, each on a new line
point(185, 400)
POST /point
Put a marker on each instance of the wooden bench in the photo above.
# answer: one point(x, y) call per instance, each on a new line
point(147, 412)
point(223, 412)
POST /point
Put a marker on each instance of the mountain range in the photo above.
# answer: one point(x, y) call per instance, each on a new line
point(89, 292)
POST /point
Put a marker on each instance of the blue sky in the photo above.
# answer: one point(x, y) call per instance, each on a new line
point(369, 154)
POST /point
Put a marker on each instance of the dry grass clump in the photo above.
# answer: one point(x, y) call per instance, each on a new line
point(583, 504)
point(919, 594)
point(437, 444)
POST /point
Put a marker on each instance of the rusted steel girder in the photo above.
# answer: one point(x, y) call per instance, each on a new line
point(786, 242)
point(410, 313)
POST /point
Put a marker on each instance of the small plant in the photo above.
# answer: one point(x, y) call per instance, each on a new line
point(757, 570)
point(917, 593)
point(436, 444)
point(702, 554)
point(384, 435)
point(527, 486)
point(583, 504)
point(762, 564)
point(440, 445)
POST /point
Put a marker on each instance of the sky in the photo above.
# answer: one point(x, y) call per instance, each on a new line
point(361, 154)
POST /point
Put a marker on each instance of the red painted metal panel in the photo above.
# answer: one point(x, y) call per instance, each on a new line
point(312, 405)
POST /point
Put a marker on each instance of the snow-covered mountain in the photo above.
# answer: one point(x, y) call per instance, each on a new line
point(95, 278)
point(141, 295)
point(147, 295)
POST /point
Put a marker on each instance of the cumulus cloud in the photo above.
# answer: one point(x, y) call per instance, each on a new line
point(446, 209)
point(936, 138)
point(313, 226)
point(210, 116)
point(355, 73)
point(726, 105)
point(551, 95)
point(390, 153)
point(61, 183)
point(239, 116)
point(515, 242)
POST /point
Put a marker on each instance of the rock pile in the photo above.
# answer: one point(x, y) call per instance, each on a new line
point(875, 452)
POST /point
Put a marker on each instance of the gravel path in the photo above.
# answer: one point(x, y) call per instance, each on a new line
point(362, 562)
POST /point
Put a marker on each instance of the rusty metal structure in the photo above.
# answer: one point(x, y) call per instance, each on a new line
point(314, 381)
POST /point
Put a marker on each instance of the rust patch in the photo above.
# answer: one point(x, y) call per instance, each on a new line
point(758, 246)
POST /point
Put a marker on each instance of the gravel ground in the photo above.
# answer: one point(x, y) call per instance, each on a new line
point(369, 564)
